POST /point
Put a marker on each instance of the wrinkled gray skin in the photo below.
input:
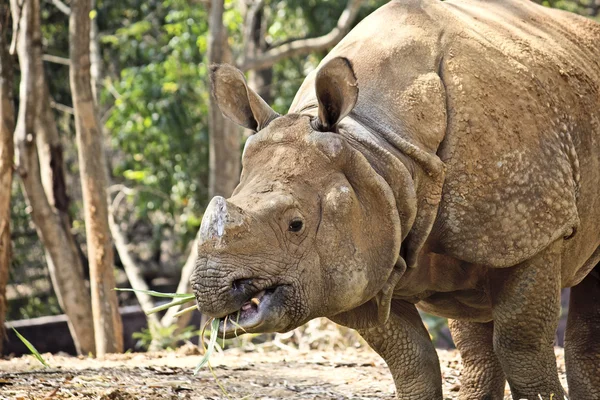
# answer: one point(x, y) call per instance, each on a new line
point(446, 156)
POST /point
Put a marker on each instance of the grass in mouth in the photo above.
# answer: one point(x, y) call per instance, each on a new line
point(214, 333)
point(180, 299)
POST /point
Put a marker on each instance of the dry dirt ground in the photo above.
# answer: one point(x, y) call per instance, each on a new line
point(259, 374)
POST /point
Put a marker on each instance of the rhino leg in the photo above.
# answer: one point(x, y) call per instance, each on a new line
point(481, 377)
point(526, 310)
point(405, 345)
point(582, 339)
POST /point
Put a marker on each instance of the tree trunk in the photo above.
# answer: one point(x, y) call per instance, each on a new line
point(7, 126)
point(132, 269)
point(50, 149)
point(52, 170)
point(52, 165)
point(224, 135)
point(260, 79)
point(107, 321)
point(61, 256)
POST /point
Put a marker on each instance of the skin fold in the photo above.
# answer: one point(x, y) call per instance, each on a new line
point(444, 156)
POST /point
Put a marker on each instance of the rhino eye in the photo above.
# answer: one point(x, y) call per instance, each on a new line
point(295, 226)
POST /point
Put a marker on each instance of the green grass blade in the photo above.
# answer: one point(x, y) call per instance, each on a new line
point(237, 326)
point(158, 294)
point(214, 333)
point(185, 311)
point(169, 305)
point(31, 348)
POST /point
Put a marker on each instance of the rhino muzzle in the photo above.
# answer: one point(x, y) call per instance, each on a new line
point(227, 281)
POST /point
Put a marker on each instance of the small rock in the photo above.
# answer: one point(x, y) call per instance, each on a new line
point(117, 395)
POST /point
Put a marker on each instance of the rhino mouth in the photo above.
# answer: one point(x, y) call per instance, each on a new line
point(255, 314)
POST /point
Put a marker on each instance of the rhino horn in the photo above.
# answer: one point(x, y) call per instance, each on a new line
point(219, 218)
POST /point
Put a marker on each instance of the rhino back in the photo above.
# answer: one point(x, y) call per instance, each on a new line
point(506, 94)
point(522, 145)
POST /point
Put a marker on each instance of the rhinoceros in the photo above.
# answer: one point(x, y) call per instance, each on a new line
point(444, 156)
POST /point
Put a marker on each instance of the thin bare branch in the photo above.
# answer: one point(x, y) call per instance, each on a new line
point(17, 11)
point(96, 68)
point(55, 59)
point(224, 135)
point(62, 107)
point(61, 6)
point(306, 46)
point(112, 89)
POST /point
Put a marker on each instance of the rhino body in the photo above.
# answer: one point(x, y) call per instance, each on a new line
point(444, 155)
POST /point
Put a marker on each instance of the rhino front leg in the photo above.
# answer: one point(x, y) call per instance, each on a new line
point(481, 377)
point(405, 345)
point(582, 340)
point(526, 310)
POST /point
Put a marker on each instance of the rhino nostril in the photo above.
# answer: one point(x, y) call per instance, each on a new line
point(240, 284)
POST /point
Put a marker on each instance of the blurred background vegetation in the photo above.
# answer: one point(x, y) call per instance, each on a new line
point(153, 105)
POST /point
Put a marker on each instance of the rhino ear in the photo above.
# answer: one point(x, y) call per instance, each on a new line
point(337, 92)
point(237, 101)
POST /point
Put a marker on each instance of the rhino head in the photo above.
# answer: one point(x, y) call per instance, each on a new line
point(312, 230)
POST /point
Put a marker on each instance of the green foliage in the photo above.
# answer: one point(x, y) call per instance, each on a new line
point(233, 21)
point(158, 122)
point(165, 337)
point(55, 31)
point(309, 18)
point(28, 273)
point(587, 8)
point(36, 307)
point(290, 19)
point(435, 326)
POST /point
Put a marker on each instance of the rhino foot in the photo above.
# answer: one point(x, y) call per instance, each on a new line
point(526, 310)
point(482, 377)
point(582, 340)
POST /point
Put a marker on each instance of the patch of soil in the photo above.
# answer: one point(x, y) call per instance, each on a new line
point(261, 374)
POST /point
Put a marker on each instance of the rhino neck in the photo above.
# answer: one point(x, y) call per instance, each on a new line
point(415, 176)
